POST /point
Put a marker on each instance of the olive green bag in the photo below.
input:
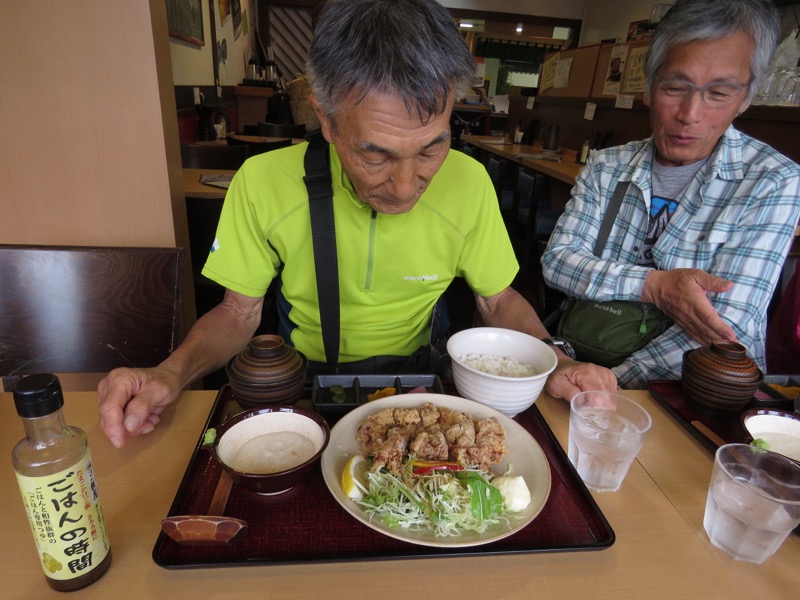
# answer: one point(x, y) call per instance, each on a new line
point(606, 333)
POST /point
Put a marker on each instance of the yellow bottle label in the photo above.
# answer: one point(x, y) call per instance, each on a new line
point(66, 519)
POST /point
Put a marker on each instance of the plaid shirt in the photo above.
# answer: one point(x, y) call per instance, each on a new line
point(736, 220)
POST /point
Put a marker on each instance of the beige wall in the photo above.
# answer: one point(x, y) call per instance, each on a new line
point(194, 65)
point(609, 19)
point(89, 140)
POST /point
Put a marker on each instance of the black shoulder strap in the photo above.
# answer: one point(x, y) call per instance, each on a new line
point(323, 234)
point(610, 216)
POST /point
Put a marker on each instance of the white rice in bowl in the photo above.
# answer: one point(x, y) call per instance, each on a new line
point(505, 366)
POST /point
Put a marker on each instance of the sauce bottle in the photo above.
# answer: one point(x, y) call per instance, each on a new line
point(583, 155)
point(56, 480)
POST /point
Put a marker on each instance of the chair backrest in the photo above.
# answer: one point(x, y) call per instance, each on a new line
point(533, 208)
point(194, 156)
point(529, 192)
point(494, 166)
point(256, 147)
point(76, 309)
point(281, 130)
point(469, 150)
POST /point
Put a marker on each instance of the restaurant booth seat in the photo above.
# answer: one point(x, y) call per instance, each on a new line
point(195, 156)
point(79, 309)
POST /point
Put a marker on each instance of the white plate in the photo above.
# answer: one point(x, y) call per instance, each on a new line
point(524, 453)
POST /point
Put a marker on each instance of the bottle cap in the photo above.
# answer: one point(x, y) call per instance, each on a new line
point(38, 395)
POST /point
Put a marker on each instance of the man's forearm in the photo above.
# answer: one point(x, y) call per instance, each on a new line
point(511, 311)
point(213, 340)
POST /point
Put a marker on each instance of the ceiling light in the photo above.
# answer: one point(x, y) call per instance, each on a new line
point(519, 27)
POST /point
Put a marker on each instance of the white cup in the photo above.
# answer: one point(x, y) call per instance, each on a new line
point(753, 501)
point(606, 431)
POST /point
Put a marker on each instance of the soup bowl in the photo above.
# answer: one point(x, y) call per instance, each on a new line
point(720, 376)
point(779, 430)
point(269, 450)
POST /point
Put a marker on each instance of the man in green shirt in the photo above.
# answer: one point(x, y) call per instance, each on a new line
point(409, 216)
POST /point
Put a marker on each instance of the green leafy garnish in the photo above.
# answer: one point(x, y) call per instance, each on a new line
point(486, 500)
point(209, 436)
point(759, 443)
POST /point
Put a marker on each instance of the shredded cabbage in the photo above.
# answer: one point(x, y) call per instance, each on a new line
point(446, 503)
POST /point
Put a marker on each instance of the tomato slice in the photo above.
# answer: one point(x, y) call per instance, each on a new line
point(426, 467)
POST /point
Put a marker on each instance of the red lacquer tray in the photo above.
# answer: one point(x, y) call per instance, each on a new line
point(725, 425)
point(306, 524)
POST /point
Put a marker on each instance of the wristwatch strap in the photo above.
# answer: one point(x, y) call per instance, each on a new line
point(562, 345)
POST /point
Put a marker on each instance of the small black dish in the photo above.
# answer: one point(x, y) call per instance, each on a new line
point(333, 396)
point(768, 396)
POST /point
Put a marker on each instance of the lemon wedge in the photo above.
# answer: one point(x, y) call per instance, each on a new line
point(354, 471)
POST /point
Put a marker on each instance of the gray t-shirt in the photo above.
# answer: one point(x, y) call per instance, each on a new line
point(668, 185)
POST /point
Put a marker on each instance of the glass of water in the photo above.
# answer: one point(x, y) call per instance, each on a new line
point(753, 501)
point(606, 431)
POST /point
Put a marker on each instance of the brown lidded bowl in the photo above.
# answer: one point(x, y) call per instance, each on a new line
point(267, 371)
point(289, 445)
point(720, 376)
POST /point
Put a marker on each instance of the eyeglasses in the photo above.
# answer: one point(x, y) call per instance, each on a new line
point(714, 95)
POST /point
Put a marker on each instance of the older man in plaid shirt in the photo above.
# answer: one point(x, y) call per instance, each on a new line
point(708, 213)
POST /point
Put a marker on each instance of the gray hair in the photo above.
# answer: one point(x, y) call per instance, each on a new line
point(411, 48)
point(693, 20)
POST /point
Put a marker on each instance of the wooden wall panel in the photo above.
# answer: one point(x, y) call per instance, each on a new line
point(89, 144)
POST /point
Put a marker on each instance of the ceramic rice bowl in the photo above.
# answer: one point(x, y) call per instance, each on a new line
point(245, 426)
point(507, 394)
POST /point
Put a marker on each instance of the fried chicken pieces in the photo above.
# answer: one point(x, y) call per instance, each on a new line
point(430, 433)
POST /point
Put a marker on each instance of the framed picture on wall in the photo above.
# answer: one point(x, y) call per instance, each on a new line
point(640, 30)
point(185, 20)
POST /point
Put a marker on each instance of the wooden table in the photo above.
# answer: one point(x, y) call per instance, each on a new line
point(566, 170)
point(242, 137)
point(661, 550)
point(192, 188)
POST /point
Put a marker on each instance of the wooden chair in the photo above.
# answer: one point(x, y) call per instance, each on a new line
point(281, 130)
point(75, 309)
point(254, 148)
point(194, 156)
point(469, 150)
point(503, 185)
point(535, 221)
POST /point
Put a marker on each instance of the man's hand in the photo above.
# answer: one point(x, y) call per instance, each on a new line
point(683, 295)
point(571, 377)
point(131, 400)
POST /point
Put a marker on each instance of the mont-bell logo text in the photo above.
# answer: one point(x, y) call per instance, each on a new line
point(607, 308)
point(433, 277)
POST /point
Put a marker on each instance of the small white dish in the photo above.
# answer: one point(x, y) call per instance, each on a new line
point(779, 429)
